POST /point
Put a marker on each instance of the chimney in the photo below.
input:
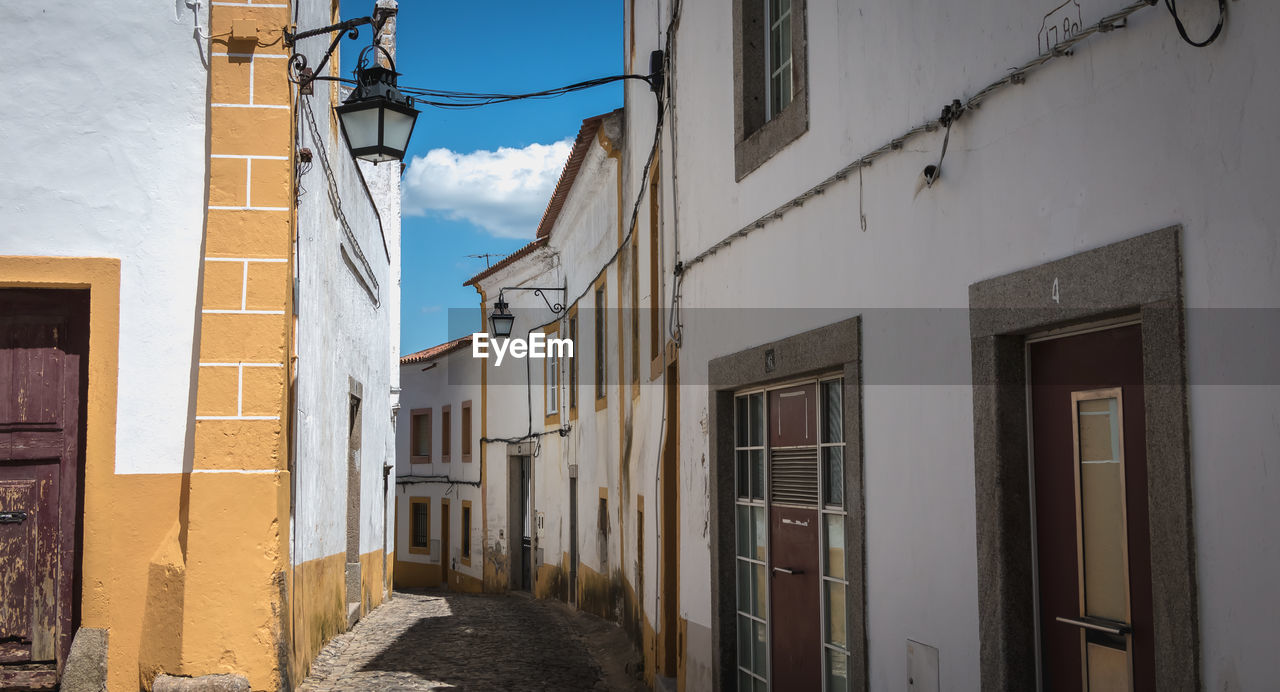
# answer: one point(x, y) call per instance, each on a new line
point(384, 18)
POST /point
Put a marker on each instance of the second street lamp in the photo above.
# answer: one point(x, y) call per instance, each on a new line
point(501, 319)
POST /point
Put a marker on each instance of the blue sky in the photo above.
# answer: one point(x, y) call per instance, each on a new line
point(479, 179)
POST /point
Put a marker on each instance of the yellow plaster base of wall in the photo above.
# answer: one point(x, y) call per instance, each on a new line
point(595, 593)
point(550, 581)
point(388, 579)
point(416, 575)
point(237, 576)
point(464, 583)
point(681, 657)
point(318, 612)
point(372, 578)
point(192, 583)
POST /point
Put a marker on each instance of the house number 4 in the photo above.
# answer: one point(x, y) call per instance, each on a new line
point(1054, 292)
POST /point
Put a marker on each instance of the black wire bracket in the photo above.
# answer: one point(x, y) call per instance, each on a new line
point(304, 75)
point(556, 308)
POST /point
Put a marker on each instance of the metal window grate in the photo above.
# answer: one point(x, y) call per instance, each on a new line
point(793, 476)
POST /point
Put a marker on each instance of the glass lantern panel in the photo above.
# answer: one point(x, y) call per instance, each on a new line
point(361, 127)
point(396, 128)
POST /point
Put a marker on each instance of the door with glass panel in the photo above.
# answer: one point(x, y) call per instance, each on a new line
point(1092, 532)
point(792, 619)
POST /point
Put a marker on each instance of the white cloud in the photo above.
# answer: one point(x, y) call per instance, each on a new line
point(504, 191)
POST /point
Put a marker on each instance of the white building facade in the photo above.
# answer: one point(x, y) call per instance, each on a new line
point(214, 287)
point(439, 502)
point(894, 366)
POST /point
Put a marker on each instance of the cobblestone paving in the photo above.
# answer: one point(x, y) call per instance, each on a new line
point(436, 640)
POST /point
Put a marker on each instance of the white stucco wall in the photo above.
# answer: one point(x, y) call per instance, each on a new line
point(384, 186)
point(103, 158)
point(1136, 132)
point(344, 329)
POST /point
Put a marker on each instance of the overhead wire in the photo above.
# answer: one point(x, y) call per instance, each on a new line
point(439, 98)
point(1017, 75)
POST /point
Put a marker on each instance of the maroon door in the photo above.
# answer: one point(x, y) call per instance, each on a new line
point(1092, 533)
point(43, 341)
point(796, 620)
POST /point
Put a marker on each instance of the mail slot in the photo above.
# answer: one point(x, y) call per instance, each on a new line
point(12, 517)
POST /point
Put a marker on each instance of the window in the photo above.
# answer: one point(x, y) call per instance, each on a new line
point(466, 431)
point(420, 525)
point(753, 535)
point(420, 436)
point(551, 381)
point(466, 532)
point(835, 630)
point(602, 527)
point(771, 105)
point(778, 60)
point(446, 425)
point(573, 363)
point(602, 351)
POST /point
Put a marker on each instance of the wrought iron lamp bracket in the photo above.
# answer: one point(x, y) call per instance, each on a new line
point(556, 308)
point(301, 73)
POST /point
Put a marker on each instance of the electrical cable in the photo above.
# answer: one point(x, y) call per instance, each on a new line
point(675, 327)
point(1172, 5)
point(335, 201)
point(464, 100)
point(1017, 75)
point(672, 25)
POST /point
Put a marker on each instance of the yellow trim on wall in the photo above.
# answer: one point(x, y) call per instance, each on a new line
point(464, 533)
point(415, 458)
point(446, 433)
point(551, 419)
point(575, 378)
point(601, 350)
point(466, 430)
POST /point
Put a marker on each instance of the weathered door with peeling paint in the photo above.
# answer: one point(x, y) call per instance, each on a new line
point(43, 348)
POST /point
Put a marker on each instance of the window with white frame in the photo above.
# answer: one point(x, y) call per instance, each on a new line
point(753, 534)
point(779, 84)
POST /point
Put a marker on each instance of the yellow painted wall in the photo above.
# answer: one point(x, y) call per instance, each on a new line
point(220, 573)
point(416, 575)
point(190, 571)
point(318, 609)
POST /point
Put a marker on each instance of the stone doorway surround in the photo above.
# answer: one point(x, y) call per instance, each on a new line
point(835, 347)
point(1141, 277)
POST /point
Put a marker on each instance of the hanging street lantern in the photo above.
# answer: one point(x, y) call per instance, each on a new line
point(376, 118)
point(501, 319)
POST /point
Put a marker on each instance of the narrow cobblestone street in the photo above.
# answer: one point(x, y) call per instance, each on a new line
point(432, 640)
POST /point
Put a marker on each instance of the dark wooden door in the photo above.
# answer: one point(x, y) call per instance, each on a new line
point(796, 621)
point(526, 525)
point(1092, 531)
point(43, 344)
point(795, 618)
point(445, 559)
